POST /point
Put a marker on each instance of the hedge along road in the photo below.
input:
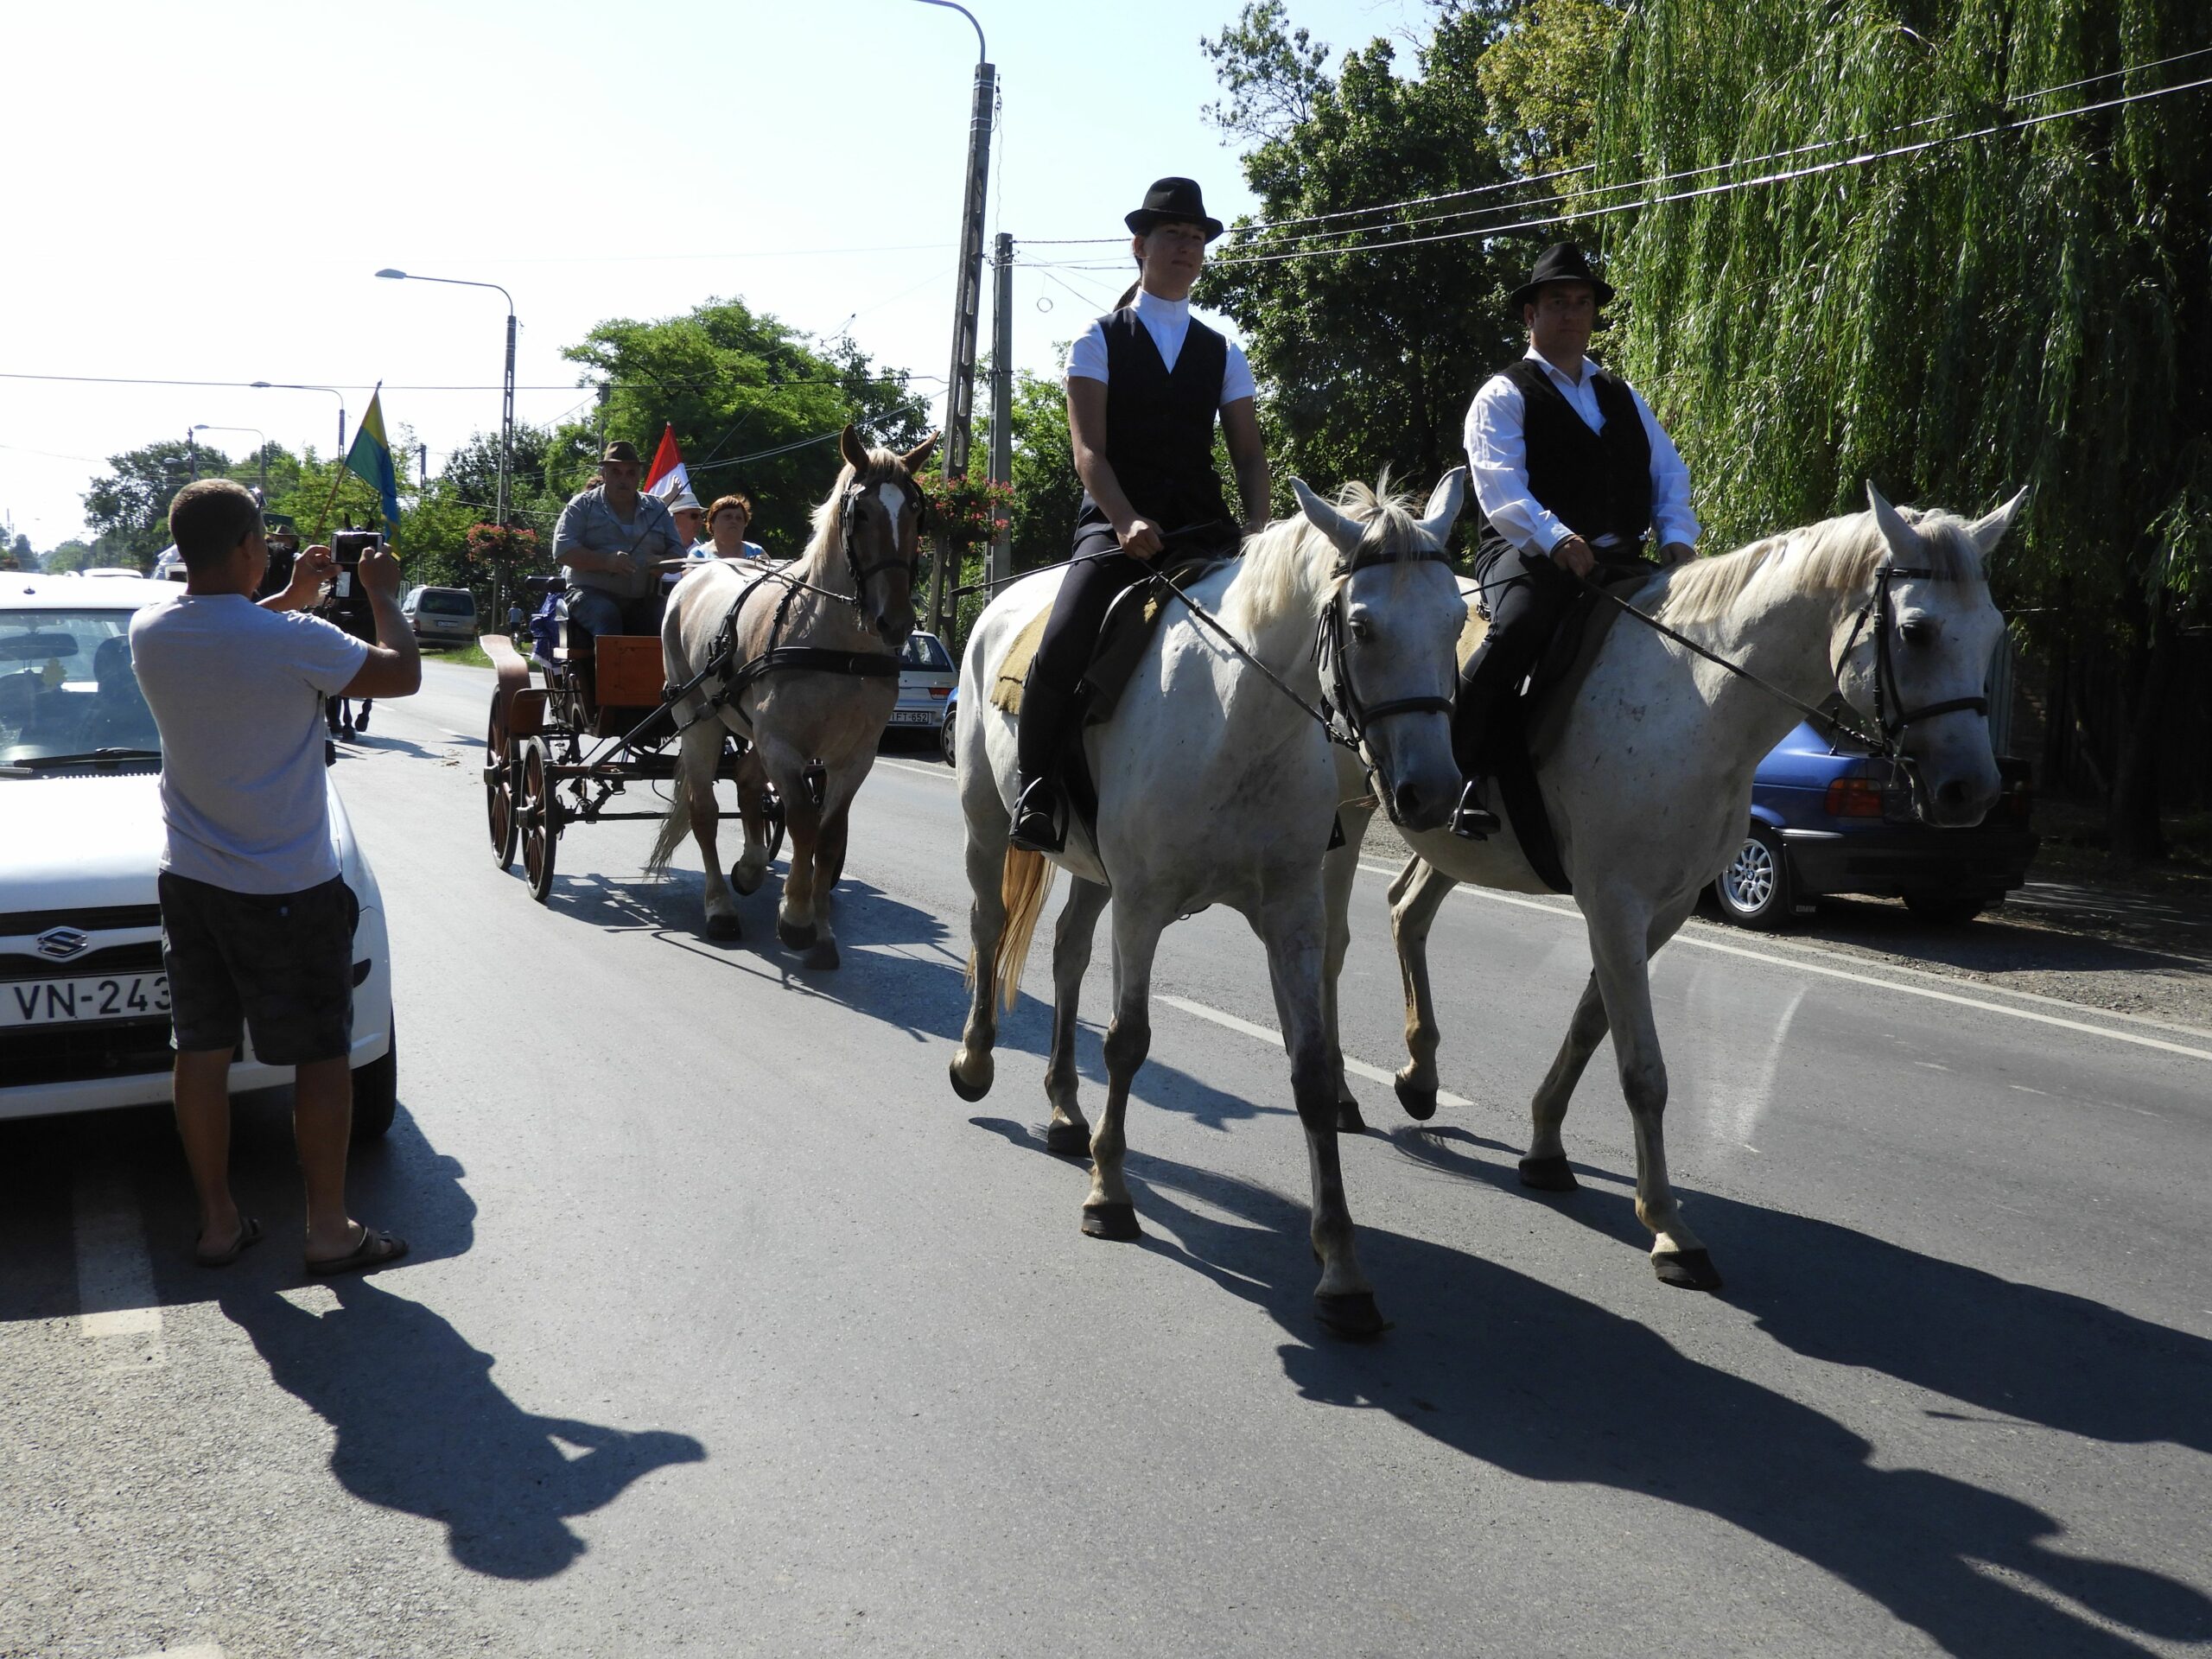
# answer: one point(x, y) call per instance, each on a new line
point(730, 1326)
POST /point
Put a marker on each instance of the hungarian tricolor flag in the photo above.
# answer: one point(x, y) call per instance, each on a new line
point(667, 480)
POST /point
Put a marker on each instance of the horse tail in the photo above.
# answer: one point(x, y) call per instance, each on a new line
point(672, 827)
point(1023, 888)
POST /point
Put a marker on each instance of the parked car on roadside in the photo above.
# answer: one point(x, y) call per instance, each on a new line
point(441, 615)
point(945, 733)
point(1827, 817)
point(83, 1001)
point(926, 680)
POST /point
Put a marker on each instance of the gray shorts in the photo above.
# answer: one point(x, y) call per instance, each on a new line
point(280, 964)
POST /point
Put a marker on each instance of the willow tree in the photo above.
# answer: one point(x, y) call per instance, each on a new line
point(2026, 307)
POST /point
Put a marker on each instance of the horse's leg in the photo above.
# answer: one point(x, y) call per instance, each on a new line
point(795, 914)
point(1294, 928)
point(1068, 1133)
point(972, 1067)
point(1546, 1166)
point(752, 866)
point(1338, 872)
point(1108, 1212)
point(829, 865)
point(1621, 942)
point(699, 753)
point(1416, 893)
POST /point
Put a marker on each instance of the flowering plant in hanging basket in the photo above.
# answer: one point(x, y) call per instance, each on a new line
point(970, 511)
point(491, 541)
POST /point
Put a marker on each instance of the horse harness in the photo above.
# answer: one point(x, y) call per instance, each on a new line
point(1339, 694)
point(819, 659)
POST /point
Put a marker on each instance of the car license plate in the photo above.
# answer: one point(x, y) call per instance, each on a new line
point(909, 717)
point(57, 1001)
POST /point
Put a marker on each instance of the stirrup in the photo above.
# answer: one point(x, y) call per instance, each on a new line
point(1036, 826)
point(1470, 819)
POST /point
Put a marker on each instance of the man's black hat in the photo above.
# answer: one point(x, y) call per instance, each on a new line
point(1562, 262)
point(1171, 200)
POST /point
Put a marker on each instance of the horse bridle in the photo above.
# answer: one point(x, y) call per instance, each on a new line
point(1339, 694)
point(847, 518)
point(1881, 607)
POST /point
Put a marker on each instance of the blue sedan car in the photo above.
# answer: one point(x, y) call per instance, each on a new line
point(1828, 817)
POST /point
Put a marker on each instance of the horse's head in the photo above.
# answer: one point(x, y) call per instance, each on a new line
point(880, 513)
point(1914, 660)
point(1389, 640)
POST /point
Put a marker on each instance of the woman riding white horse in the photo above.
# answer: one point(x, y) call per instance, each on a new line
point(1216, 786)
point(837, 616)
point(1646, 770)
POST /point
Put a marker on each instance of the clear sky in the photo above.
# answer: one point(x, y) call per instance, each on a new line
point(203, 194)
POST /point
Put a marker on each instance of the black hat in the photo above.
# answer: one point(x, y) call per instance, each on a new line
point(1562, 262)
point(1171, 200)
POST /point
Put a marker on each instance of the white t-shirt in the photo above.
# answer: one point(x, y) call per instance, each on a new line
point(236, 691)
point(1168, 322)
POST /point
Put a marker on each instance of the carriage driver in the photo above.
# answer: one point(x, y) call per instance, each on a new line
point(610, 542)
point(1573, 474)
point(1144, 386)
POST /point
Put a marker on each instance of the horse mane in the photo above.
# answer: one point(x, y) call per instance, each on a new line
point(884, 467)
point(1835, 555)
point(1289, 568)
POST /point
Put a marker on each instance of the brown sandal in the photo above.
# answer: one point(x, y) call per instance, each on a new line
point(375, 1250)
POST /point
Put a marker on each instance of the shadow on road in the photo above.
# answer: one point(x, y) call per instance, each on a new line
point(2016, 1351)
point(1536, 1381)
point(422, 1427)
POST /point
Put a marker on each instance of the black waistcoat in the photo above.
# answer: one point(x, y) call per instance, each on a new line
point(1160, 427)
point(1595, 483)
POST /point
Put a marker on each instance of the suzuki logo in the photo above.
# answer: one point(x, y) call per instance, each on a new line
point(61, 943)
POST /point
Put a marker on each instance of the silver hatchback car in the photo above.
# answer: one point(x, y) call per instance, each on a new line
point(926, 677)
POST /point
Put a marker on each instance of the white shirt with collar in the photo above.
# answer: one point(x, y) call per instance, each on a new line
point(1497, 460)
point(1168, 322)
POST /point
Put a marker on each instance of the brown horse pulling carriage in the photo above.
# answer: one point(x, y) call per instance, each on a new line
point(565, 750)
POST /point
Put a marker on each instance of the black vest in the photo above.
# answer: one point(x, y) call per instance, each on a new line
point(1159, 428)
point(1595, 483)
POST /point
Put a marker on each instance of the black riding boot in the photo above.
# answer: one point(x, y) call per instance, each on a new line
point(1042, 728)
point(1472, 713)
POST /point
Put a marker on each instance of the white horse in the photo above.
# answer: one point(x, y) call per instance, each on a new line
point(841, 608)
point(1646, 771)
point(1216, 787)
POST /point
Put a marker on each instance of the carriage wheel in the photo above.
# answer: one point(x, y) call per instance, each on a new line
point(499, 789)
point(541, 821)
point(771, 810)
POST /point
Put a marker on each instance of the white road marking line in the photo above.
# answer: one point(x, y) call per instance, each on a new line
point(115, 1278)
point(201, 1650)
point(1269, 1035)
point(1825, 972)
point(945, 772)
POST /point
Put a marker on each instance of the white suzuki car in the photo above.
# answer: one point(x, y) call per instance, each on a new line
point(83, 1019)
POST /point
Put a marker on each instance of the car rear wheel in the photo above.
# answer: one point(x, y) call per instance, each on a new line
point(1945, 909)
point(1754, 891)
point(944, 738)
point(375, 1090)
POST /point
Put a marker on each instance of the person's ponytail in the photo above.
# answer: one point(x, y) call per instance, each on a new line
point(1128, 294)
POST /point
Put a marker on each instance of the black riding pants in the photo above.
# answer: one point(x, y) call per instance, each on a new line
point(1526, 595)
point(1078, 613)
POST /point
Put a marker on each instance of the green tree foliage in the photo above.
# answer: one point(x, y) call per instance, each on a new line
point(757, 407)
point(72, 554)
point(2033, 307)
point(1367, 358)
point(1539, 76)
point(128, 508)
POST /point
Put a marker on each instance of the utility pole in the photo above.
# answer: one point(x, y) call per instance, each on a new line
point(192, 443)
point(1000, 565)
point(960, 389)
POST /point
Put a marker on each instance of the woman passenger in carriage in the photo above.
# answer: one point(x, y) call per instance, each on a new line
point(1145, 385)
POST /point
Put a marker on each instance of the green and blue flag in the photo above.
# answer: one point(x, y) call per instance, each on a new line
point(370, 460)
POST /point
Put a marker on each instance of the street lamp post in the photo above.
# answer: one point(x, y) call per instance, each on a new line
point(506, 410)
point(286, 386)
point(263, 453)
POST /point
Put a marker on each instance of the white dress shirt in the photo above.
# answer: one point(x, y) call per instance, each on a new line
point(1168, 322)
point(1497, 458)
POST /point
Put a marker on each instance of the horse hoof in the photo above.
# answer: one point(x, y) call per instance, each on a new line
point(1549, 1174)
point(823, 954)
point(795, 937)
point(1685, 1270)
point(723, 927)
point(965, 1090)
point(1349, 1121)
point(1351, 1315)
point(1117, 1222)
point(1069, 1140)
point(1420, 1104)
point(745, 883)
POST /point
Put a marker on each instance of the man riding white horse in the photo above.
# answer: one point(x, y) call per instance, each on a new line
point(1144, 386)
point(1574, 474)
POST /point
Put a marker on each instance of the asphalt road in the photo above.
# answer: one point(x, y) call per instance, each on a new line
point(729, 1329)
